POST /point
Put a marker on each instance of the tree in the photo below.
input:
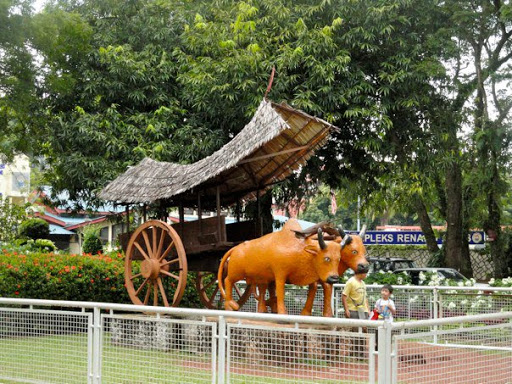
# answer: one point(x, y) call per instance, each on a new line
point(175, 81)
point(110, 81)
point(17, 79)
point(479, 55)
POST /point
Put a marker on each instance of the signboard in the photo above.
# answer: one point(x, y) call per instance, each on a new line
point(410, 238)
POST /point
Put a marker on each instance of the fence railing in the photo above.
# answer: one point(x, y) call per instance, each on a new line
point(77, 342)
point(412, 302)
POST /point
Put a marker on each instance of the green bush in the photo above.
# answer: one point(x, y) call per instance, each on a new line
point(100, 278)
point(34, 228)
point(92, 242)
point(44, 245)
point(63, 277)
point(11, 215)
point(505, 282)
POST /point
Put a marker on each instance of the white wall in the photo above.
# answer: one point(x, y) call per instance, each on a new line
point(15, 179)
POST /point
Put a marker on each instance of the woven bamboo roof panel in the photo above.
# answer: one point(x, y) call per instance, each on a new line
point(276, 142)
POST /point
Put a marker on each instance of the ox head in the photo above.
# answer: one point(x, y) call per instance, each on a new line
point(353, 252)
point(326, 258)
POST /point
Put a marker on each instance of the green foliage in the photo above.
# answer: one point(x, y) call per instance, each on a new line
point(505, 282)
point(11, 216)
point(176, 80)
point(92, 242)
point(388, 277)
point(44, 245)
point(34, 228)
point(31, 272)
point(63, 277)
point(19, 113)
point(190, 297)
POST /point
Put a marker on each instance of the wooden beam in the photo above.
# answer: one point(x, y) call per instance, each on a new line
point(181, 211)
point(259, 228)
point(218, 212)
point(127, 218)
point(199, 212)
point(271, 155)
point(292, 160)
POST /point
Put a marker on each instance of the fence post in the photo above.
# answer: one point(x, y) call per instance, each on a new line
point(334, 300)
point(221, 358)
point(436, 304)
point(96, 348)
point(384, 353)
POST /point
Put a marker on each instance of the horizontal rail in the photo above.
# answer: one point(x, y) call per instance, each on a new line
point(451, 320)
point(184, 312)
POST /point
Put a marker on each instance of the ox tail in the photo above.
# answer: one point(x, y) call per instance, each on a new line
point(232, 304)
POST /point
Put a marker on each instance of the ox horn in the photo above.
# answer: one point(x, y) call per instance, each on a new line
point(321, 240)
point(363, 231)
point(346, 239)
point(341, 232)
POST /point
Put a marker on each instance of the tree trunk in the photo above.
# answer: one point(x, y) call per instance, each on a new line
point(426, 226)
point(492, 226)
point(455, 256)
point(266, 213)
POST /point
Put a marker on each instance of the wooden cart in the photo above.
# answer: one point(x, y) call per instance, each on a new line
point(276, 142)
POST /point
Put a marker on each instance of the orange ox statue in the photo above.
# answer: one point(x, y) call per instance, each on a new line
point(353, 256)
point(279, 257)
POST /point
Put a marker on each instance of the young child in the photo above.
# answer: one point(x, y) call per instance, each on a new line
point(385, 306)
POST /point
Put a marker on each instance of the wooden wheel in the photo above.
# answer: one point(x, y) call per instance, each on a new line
point(208, 289)
point(162, 272)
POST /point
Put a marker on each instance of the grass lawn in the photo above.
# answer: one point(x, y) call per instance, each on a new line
point(63, 359)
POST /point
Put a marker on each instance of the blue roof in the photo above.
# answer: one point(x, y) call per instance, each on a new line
point(72, 220)
point(56, 230)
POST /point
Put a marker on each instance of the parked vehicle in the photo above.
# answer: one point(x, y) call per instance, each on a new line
point(443, 273)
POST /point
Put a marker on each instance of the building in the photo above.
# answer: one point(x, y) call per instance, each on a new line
point(15, 180)
point(67, 227)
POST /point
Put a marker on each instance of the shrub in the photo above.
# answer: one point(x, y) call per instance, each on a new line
point(99, 278)
point(505, 282)
point(11, 215)
point(388, 277)
point(34, 228)
point(63, 277)
point(92, 242)
point(381, 277)
point(44, 245)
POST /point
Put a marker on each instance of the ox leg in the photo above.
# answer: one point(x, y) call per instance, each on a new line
point(308, 307)
point(281, 308)
point(262, 306)
point(272, 299)
point(230, 304)
point(327, 299)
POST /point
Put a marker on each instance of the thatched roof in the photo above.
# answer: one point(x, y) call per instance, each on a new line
point(277, 141)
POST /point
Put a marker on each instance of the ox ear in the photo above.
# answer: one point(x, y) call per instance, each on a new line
point(311, 249)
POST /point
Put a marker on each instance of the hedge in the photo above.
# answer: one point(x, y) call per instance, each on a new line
point(51, 276)
point(63, 277)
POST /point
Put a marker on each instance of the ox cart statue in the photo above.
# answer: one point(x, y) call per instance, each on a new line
point(276, 142)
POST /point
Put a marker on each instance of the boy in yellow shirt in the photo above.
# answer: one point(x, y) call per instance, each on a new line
point(355, 303)
point(355, 300)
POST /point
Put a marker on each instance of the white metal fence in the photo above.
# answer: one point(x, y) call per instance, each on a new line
point(412, 302)
point(77, 342)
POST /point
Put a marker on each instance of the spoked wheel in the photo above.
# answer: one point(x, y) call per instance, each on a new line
point(208, 288)
point(161, 276)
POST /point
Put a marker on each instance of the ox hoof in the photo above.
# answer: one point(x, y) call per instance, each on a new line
point(232, 305)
